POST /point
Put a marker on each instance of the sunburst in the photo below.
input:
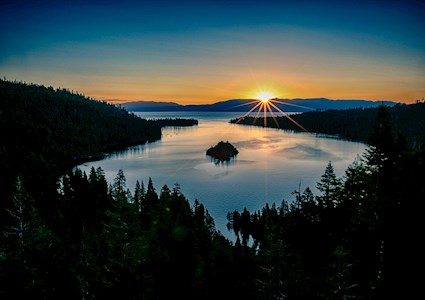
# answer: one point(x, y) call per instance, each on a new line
point(265, 102)
point(264, 96)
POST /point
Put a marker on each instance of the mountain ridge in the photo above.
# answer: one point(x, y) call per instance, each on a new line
point(242, 105)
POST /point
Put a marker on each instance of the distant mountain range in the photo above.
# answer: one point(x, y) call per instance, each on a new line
point(241, 105)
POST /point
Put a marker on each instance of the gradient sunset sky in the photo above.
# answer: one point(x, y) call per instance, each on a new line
point(193, 52)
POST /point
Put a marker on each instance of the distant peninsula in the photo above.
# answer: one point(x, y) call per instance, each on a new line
point(223, 151)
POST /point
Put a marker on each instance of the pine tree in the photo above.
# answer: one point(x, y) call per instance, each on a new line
point(138, 196)
point(233, 222)
point(119, 187)
point(381, 142)
point(151, 197)
point(26, 243)
point(329, 186)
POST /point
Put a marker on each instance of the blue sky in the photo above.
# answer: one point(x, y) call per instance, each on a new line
point(206, 51)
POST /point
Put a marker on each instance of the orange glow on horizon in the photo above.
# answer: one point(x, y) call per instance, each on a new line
point(216, 92)
point(239, 85)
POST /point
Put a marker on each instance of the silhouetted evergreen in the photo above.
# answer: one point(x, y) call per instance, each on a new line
point(359, 238)
point(97, 244)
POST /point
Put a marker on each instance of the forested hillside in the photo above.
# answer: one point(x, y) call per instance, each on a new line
point(46, 130)
point(354, 124)
point(80, 237)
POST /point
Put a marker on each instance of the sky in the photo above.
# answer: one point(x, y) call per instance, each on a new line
point(195, 52)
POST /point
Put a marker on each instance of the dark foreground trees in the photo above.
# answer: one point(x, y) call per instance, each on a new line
point(102, 243)
point(358, 238)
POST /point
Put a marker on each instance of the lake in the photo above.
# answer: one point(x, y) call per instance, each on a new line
point(271, 163)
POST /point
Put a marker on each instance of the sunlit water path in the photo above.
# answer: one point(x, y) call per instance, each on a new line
point(271, 163)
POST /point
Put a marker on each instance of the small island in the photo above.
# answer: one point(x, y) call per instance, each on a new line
point(223, 151)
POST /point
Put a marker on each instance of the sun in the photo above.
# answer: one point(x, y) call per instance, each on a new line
point(266, 104)
point(264, 96)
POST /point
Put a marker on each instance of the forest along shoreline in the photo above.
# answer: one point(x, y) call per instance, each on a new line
point(86, 238)
point(161, 122)
point(354, 124)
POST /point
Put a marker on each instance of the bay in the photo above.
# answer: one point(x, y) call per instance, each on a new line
point(271, 163)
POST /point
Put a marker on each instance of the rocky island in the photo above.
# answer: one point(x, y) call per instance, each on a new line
point(223, 151)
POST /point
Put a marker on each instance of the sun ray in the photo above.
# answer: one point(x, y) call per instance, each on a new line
point(273, 116)
point(289, 117)
point(291, 104)
point(244, 104)
point(251, 110)
point(266, 105)
point(256, 115)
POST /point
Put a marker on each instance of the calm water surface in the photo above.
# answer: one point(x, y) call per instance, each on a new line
point(271, 163)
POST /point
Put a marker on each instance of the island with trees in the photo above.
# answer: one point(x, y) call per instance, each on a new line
point(223, 151)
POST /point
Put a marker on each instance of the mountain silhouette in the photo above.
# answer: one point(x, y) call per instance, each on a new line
point(241, 105)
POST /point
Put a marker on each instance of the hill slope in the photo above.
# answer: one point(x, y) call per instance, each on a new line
point(46, 130)
point(63, 125)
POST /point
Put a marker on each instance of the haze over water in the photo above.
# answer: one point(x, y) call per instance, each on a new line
point(271, 163)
